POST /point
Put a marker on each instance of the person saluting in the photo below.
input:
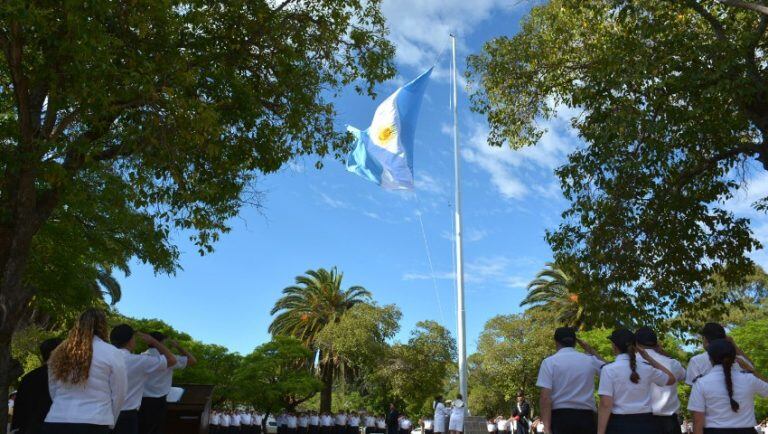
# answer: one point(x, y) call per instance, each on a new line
point(723, 400)
point(625, 389)
point(567, 382)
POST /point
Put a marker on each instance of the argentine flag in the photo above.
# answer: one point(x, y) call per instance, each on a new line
point(384, 152)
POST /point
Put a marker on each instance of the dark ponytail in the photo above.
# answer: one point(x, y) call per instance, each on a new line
point(727, 364)
point(634, 377)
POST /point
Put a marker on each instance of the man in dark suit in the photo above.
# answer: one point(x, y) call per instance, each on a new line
point(393, 424)
point(33, 399)
point(522, 410)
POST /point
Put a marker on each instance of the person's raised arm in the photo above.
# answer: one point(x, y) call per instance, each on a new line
point(739, 353)
point(589, 350)
point(170, 359)
point(670, 376)
point(191, 360)
point(545, 404)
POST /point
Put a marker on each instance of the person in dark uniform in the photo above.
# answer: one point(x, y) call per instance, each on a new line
point(393, 424)
point(33, 399)
point(522, 411)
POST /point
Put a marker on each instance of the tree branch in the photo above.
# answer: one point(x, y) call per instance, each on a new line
point(746, 5)
point(748, 149)
point(716, 25)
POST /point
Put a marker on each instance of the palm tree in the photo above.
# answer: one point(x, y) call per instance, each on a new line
point(306, 308)
point(553, 289)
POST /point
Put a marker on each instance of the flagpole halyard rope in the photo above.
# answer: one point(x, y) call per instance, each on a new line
point(429, 257)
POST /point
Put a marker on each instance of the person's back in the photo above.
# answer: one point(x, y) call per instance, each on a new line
point(571, 377)
point(710, 394)
point(33, 400)
point(86, 379)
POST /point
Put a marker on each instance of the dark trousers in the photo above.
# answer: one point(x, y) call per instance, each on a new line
point(729, 431)
point(74, 428)
point(257, 429)
point(127, 423)
point(668, 424)
point(405, 431)
point(213, 429)
point(290, 430)
point(314, 429)
point(302, 430)
point(643, 423)
point(353, 430)
point(152, 415)
point(571, 421)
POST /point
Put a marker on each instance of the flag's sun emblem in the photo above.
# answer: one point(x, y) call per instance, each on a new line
point(387, 133)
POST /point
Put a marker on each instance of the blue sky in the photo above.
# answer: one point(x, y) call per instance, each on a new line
point(323, 218)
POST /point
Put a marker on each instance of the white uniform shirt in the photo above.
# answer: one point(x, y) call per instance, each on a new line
point(354, 421)
point(138, 368)
point(215, 418)
point(370, 421)
point(303, 421)
point(234, 420)
point(709, 396)
point(100, 400)
point(491, 427)
point(502, 425)
point(224, 420)
point(291, 421)
point(405, 423)
point(665, 401)
point(428, 424)
point(314, 420)
point(326, 420)
point(699, 366)
point(570, 375)
point(257, 418)
point(381, 423)
point(159, 383)
point(341, 419)
point(628, 397)
point(245, 419)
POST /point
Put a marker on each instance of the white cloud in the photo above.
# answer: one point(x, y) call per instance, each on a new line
point(334, 203)
point(500, 270)
point(429, 184)
point(420, 29)
point(509, 168)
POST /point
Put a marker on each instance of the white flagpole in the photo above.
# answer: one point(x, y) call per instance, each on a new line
point(461, 330)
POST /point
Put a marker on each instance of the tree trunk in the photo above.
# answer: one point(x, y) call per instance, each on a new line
point(326, 394)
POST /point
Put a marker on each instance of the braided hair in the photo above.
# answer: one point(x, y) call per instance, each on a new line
point(634, 376)
point(723, 352)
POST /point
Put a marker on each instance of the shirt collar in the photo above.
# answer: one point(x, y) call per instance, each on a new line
point(622, 356)
point(566, 350)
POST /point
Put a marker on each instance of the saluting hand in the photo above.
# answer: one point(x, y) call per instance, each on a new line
point(149, 340)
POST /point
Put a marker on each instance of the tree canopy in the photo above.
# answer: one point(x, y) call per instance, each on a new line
point(674, 114)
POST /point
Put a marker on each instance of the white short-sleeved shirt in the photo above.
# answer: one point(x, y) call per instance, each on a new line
point(699, 366)
point(354, 421)
point(570, 375)
point(327, 420)
point(664, 398)
point(245, 419)
point(709, 396)
point(314, 420)
point(381, 423)
point(224, 421)
point(98, 401)
point(291, 421)
point(138, 368)
point(159, 383)
point(303, 421)
point(428, 424)
point(341, 419)
point(234, 420)
point(215, 419)
point(628, 397)
point(491, 427)
point(405, 423)
point(370, 421)
point(502, 425)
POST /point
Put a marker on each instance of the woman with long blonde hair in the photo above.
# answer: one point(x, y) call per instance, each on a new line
point(87, 380)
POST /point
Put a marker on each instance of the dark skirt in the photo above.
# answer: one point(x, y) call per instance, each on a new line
point(127, 423)
point(643, 423)
point(573, 421)
point(74, 428)
point(730, 431)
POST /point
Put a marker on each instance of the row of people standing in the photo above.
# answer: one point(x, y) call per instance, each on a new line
point(90, 386)
point(234, 422)
point(638, 391)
